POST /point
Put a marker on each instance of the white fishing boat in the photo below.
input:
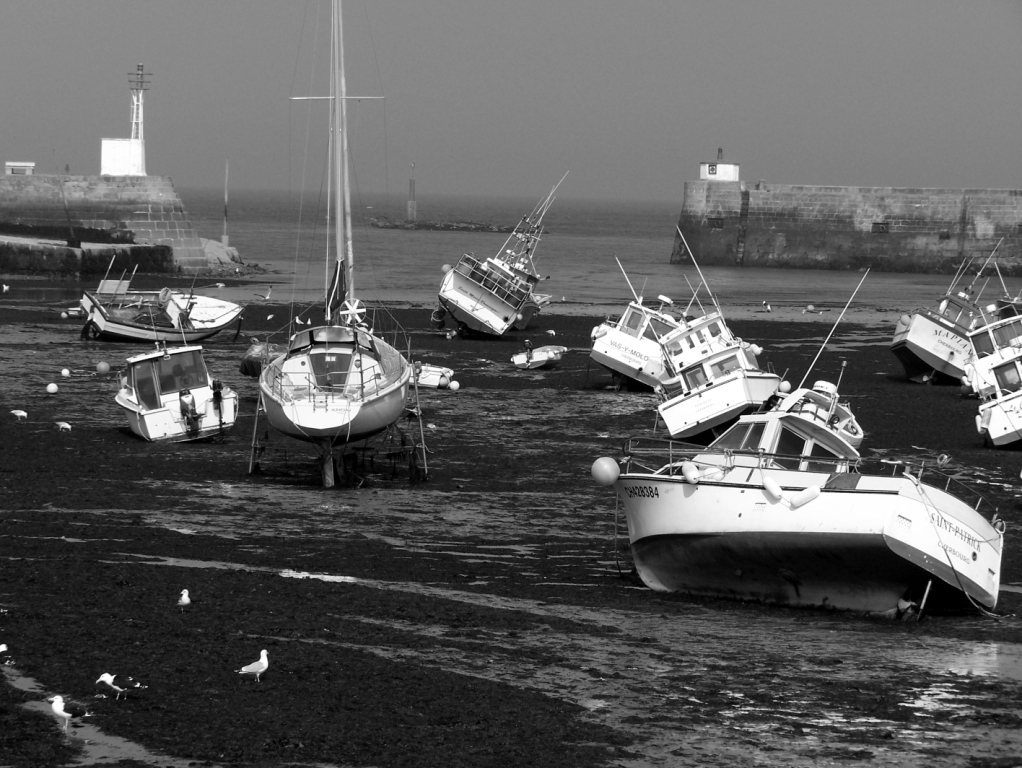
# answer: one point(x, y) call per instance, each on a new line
point(337, 383)
point(711, 377)
point(114, 312)
point(995, 376)
point(169, 396)
point(541, 357)
point(780, 509)
point(932, 344)
point(497, 294)
point(629, 347)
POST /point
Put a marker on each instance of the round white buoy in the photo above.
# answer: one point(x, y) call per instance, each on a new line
point(772, 488)
point(443, 383)
point(904, 320)
point(519, 316)
point(784, 387)
point(454, 386)
point(51, 388)
point(756, 349)
point(691, 472)
point(65, 373)
point(63, 315)
point(606, 471)
point(810, 308)
point(445, 268)
point(102, 367)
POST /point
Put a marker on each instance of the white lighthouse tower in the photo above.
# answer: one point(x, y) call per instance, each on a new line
point(126, 157)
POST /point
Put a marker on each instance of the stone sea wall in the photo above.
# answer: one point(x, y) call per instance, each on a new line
point(814, 227)
point(51, 223)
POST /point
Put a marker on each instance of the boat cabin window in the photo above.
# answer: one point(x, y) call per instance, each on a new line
point(820, 452)
point(1008, 377)
point(694, 377)
point(953, 311)
point(144, 384)
point(982, 344)
point(183, 370)
point(741, 437)
point(724, 366)
point(330, 369)
point(657, 329)
point(631, 322)
point(1008, 335)
point(713, 329)
point(790, 446)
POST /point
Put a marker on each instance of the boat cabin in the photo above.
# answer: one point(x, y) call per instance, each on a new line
point(158, 378)
point(808, 430)
point(1001, 334)
point(645, 323)
point(958, 310)
point(496, 278)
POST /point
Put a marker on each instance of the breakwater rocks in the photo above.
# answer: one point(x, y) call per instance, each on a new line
point(385, 222)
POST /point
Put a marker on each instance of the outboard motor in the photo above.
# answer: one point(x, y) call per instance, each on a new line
point(218, 399)
point(188, 411)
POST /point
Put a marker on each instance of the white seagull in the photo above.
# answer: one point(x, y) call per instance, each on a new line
point(68, 712)
point(19, 415)
point(123, 686)
point(264, 295)
point(184, 601)
point(551, 333)
point(765, 304)
point(63, 426)
point(257, 667)
point(6, 288)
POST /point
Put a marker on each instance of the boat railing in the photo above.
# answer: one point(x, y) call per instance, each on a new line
point(933, 475)
point(503, 288)
point(286, 389)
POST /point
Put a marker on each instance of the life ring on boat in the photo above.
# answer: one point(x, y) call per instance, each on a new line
point(352, 312)
point(164, 299)
point(91, 331)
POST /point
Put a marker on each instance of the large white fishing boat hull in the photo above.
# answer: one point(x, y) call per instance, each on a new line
point(845, 541)
point(640, 359)
point(928, 344)
point(482, 310)
point(156, 317)
point(1000, 421)
point(717, 404)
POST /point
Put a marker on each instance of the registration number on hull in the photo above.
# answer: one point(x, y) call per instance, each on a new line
point(642, 492)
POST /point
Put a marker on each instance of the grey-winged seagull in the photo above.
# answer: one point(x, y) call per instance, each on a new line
point(184, 601)
point(257, 667)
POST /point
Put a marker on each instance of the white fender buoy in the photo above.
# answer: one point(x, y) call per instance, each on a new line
point(784, 387)
point(51, 388)
point(605, 471)
point(772, 488)
point(519, 316)
point(598, 332)
point(691, 472)
point(979, 423)
point(454, 386)
point(805, 496)
point(445, 268)
point(904, 320)
point(756, 349)
point(443, 383)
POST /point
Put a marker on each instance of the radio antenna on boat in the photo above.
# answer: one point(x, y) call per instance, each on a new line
point(696, 265)
point(634, 294)
point(824, 345)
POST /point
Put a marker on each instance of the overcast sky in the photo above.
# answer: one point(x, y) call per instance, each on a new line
point(499, 98)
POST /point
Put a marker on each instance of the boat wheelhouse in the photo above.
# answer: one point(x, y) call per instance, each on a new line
point(630, 346)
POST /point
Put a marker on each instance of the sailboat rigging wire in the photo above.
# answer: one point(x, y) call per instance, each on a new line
point(696, 265)
point(634, 294)
point(834, 328)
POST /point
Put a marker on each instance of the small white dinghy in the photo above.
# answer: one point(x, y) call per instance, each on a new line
point(169, 396)
point(544, 357)
point(435, 377)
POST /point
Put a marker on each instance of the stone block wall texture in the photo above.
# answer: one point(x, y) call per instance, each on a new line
point(142, 217)
point(814, 227)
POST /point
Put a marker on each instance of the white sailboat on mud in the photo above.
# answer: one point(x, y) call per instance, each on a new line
point(780, 509)
point(337, 383)
point(491, 297)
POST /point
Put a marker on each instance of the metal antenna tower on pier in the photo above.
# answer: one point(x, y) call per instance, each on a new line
point(139, 81)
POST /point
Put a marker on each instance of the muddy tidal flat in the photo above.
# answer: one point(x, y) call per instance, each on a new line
point(485, 616)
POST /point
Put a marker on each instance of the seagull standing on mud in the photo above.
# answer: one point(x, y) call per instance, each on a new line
point(257, 668)
point(19, 414)
point(122, 687)
point(184, 601)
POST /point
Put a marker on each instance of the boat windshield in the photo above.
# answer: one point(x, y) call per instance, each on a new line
point(957, 312)
point(330, 369)
point(1008, 377)
point(657, 329)
point(741, 437)
point(632, 322)
point(183, 370)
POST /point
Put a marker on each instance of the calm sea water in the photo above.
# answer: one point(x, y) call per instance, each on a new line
point(287, 235)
